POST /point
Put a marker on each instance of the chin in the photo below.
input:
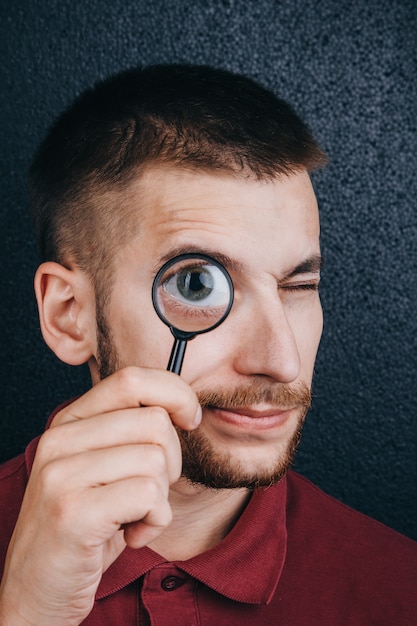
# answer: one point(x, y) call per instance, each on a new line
point(205, 465)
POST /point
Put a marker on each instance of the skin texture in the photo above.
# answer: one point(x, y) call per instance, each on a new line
point(107, 473)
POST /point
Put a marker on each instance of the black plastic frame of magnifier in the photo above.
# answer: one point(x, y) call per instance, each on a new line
point(182, 337)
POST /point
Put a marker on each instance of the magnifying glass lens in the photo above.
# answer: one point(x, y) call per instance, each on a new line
point(193, 294)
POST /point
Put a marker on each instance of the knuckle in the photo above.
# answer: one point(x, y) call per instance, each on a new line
point(61, 502)
point(48, 446)
point(127, 377)
point(151, 491)
point(51, 477)
point(157, 461)
point(160, 417)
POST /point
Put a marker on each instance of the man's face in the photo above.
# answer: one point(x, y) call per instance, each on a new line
point(253, 373)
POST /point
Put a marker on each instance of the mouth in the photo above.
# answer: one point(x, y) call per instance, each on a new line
point(251, 418)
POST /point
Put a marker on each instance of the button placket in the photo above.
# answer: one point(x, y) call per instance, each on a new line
point(168, 594)
point(171, 583)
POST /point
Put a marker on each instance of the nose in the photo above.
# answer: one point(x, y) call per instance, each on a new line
point(267, 344)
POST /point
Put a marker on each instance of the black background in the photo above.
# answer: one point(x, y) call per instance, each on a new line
point(350, 70)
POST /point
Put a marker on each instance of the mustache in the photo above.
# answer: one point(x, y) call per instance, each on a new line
point(257, 393)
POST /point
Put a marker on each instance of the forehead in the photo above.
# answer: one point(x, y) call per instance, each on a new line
point(256, 222)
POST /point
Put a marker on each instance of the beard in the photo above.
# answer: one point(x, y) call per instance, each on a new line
point(203, 464)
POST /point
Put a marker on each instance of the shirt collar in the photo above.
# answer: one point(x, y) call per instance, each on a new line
point(256, 544)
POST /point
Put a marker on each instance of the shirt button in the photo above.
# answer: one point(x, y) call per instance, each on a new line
point(170, 583)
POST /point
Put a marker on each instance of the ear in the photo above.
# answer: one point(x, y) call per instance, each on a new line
point(66, 307)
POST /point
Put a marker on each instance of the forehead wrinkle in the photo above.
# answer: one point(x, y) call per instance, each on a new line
point(179, 221)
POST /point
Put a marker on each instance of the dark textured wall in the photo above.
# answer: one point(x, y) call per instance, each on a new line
point(350, 69)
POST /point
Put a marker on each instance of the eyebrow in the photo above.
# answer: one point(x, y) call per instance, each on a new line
point(225, 260)
point(310, 265)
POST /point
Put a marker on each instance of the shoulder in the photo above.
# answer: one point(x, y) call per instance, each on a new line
point(342, 567)
point(305, 501)
point(348, 559)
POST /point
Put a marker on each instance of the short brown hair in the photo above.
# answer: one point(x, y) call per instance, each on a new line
point(194, 117)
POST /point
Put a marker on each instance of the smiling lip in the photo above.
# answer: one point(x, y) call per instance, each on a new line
point(252, 419)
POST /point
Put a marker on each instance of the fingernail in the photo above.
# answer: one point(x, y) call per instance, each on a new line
point(198, 416)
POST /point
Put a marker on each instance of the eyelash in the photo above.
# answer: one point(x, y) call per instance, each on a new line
point(300, 287)
point(192, 311)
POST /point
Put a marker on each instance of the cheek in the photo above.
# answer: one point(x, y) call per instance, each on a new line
point(140, 337)
point(205, 353)
point(212, 353)
point(307, 328)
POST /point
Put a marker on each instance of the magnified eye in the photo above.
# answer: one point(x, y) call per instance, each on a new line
point(192, 293)
point(199, 286)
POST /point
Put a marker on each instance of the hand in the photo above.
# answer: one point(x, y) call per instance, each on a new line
point(100, 481)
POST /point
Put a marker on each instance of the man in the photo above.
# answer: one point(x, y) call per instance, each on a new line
point(136, 506)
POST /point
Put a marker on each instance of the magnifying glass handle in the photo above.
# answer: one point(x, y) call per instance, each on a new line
point(177, 356)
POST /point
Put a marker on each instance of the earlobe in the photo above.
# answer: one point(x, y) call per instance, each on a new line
point(66, 312)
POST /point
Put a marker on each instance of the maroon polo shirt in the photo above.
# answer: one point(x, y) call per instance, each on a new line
point(295, 557)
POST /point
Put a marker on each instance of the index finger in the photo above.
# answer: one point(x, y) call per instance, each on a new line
point(133, 387)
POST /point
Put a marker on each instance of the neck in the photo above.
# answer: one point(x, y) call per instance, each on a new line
point(201, 519)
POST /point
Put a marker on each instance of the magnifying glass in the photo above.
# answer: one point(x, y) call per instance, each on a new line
point(192, 294)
